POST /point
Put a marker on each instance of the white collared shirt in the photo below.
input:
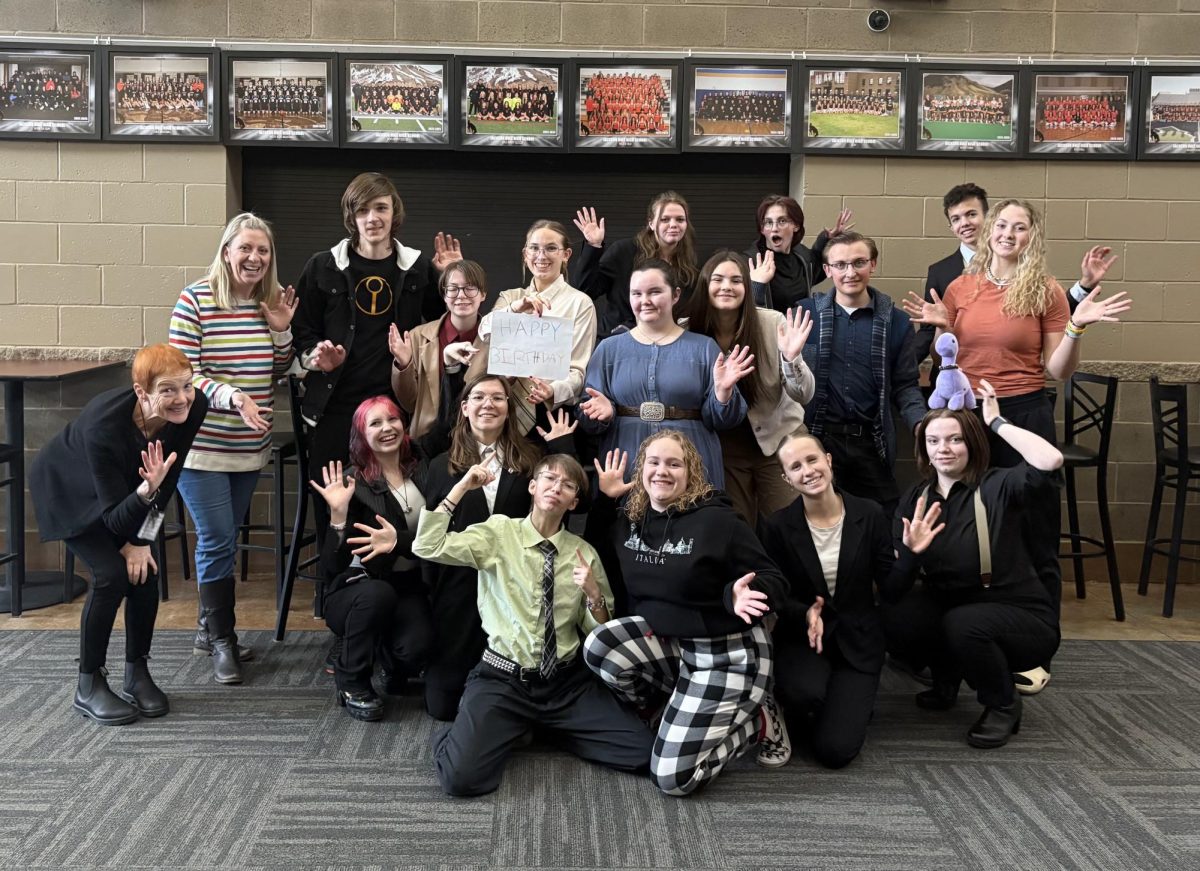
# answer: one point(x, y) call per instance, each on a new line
point(491, 460)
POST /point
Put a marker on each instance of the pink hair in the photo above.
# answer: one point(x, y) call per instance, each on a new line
point(361, 455)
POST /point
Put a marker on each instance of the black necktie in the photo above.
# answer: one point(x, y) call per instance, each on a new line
point(550, 647)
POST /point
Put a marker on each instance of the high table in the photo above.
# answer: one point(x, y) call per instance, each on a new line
point(34, 589)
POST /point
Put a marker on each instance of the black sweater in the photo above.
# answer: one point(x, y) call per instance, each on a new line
point(679, 567)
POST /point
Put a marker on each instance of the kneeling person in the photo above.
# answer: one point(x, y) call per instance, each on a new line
point(539, 585)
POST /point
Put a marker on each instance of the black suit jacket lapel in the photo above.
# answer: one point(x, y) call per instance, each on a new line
point(807, 551)
point(852, 539)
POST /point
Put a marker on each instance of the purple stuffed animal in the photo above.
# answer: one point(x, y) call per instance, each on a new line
point(952, 389)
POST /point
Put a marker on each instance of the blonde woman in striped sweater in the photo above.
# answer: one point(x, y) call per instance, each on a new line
point(234, 325)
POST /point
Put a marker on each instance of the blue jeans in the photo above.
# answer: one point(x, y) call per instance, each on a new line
point(217, 502)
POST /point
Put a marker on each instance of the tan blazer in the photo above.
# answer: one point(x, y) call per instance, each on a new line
point(786, 386)
point(418, 387)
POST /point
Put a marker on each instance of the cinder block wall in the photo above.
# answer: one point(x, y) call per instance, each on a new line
point(96, 240)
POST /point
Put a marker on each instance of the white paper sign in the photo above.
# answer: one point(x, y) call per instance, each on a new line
point(524, 345)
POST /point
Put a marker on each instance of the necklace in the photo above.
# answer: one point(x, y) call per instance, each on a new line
point(398, 492)
point(646, 336)
point(999, 282)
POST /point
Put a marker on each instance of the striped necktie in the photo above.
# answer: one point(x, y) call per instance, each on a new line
point(550, 648)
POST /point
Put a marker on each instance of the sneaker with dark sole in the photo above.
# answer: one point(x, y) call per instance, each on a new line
point(1032, 682)
point(775, 746)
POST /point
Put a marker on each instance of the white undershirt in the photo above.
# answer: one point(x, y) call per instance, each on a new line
point(828, 542)
point(494, 464)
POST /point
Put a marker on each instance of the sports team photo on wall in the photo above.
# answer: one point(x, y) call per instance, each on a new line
point(854, 109)
point(273, 99)
point(1081, 114)
point(513, 105)
point(967, 110)
point(388, 101)
point(48, 94)
point(157, 95)
point(627, 105)
point(739, 106)
point(1170, 125)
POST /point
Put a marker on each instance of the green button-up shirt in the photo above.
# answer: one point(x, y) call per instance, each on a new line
point(504, 550)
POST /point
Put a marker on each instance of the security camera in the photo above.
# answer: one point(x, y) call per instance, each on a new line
point(879, 20)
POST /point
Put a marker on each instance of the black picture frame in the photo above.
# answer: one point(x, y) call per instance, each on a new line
point(1173, 135)
point(419, 71)
point(757, 133)
point(824, 130)
point(273, 104)
point(528, 74)
point(26, 112)
point(645, 114)
point(975, 111)
point(177, 121)
point(1056, 104)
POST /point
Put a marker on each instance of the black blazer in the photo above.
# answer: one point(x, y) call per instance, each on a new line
point(87, 475)
point(940, 275)
point(865, 561)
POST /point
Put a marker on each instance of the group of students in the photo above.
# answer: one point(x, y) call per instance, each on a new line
point(43, 91)
point(744, 558)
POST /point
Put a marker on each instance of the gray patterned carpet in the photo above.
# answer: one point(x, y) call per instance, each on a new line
point(1104, 775)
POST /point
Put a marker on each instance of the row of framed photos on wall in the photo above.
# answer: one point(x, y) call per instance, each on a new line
point(439, 101)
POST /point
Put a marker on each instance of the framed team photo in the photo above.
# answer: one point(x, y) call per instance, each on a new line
point(273, 99)
point(630, 106)
point(48, 93)
point(1081, 113)
point(395, 102)
point(973, 111)
point(1170, 114)
point(511, 104)
point(739, 106)
point(156, 95)
point(854, 109)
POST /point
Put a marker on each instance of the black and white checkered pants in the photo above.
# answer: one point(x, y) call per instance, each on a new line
point(716, 686)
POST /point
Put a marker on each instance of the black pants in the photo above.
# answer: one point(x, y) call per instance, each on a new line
point(859, 470)
point(370, 615)
point(110, 586)
point(328, 442)
point(459, 639)
point(840, 699)
point(498, 710)
point(981, 642)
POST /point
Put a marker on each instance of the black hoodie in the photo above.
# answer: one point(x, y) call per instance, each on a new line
point(679, 568)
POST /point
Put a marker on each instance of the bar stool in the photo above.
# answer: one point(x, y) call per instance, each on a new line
point(1176, 465)
point(169, 531)
point(283, 454)
point(1090, 402)
point(301, 536)
point(8, 455)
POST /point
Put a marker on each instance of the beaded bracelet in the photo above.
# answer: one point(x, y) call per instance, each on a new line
point(1074, 331)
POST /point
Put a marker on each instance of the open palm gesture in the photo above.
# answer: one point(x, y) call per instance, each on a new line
point(794, 331)
point(731, 368)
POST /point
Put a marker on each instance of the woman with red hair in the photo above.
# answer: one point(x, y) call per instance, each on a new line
point(374, 597)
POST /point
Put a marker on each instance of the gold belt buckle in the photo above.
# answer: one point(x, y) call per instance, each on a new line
point(652, 412)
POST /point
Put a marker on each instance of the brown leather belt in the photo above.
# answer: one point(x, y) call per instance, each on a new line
point(656, 411)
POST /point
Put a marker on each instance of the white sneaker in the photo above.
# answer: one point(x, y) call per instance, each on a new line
point(1032, 682)
point(775, 747)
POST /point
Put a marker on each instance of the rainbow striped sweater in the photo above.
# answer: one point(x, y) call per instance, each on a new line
point(229, 351)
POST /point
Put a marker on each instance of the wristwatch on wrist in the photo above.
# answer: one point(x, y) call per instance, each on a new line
point(997, 422)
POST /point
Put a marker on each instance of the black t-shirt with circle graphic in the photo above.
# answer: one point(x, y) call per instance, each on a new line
point(374, 285)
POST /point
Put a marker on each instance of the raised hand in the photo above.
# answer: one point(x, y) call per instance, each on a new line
point(845, 221)
point(477, 476)
point(154, 468)
point(748, 603)
point(922, 311)
point(597, 406)
point(251, 414)
point(591, 228)
point(533, 305)
point(459, 353)
point(279, 315)
point(328, 356)
point(922, 528)
point(816, 626)
point(338, 488)
point(139, 562)
point(794, 331)
point(991, 405)
point(1093, 310)
point(400, 345)
point(611, 476)
point(374, 542)
point(1096, 261)
point(762, 267)
point(581, 574)
point(446, 250)
point(560, 425)
point(729, 369)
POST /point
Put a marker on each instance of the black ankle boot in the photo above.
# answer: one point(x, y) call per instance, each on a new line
point(95, 700)
point(202, 644)
point(942, 696)
point(141, 691)
point(361, 704)
point(996, 725)
point(216, 600)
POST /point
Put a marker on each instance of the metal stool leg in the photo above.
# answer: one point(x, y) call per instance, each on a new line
point(1181, 495)
point(1073, 526)
point(1110, 547)
point(1151, 532)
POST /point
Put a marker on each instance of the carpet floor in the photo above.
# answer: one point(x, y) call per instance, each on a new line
point(1105, 774)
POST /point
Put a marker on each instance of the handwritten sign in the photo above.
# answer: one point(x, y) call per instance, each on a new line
point(524, 345)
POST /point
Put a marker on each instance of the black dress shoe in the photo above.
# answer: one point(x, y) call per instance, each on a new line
point(96, 701)
point(141, 691)
point(996, 725)
point(361, 704)
point(395, 683)
point(942, 697)
point(331, 657)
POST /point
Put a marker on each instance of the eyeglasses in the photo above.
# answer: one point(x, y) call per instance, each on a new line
point(493, 398)
point(841, 265)
point(470, 291)
point(548, 250)
point(553, 480)
point(781, 224)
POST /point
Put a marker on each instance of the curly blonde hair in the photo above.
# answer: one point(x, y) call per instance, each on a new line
point(1030, 293)
point(697, 488)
